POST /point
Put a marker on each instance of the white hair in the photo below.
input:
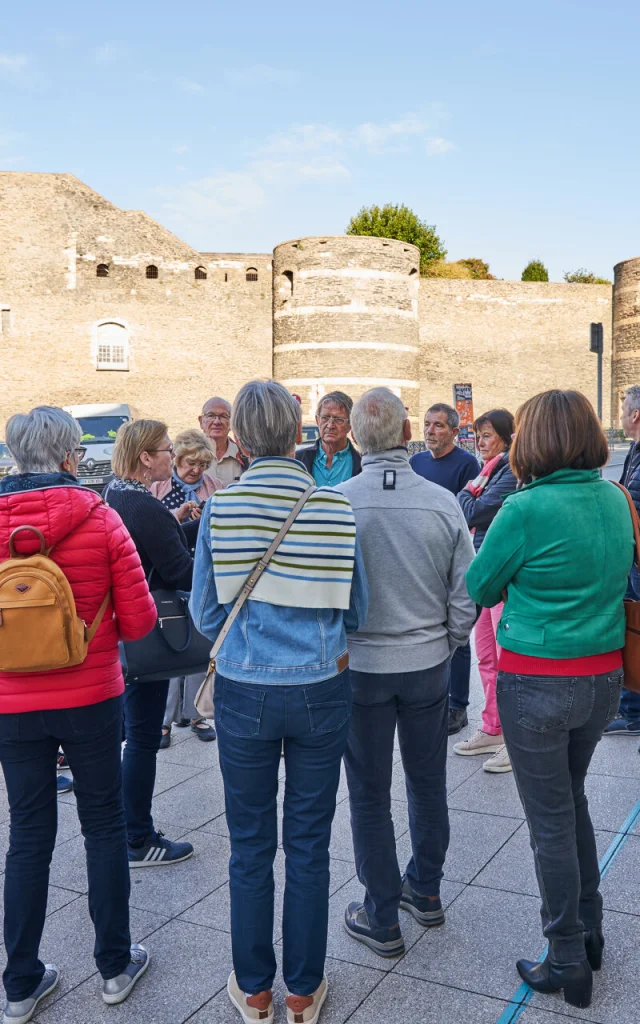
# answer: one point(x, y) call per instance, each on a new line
point(377, 421)
point(40, 440)
point(265, 418)
point(633, 394)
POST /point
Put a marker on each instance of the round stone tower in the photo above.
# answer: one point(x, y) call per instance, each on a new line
point(626, 329)
point(345, 317)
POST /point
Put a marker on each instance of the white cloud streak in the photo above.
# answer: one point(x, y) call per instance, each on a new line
point(187, 85)
point(437, 146)
point(13, 65)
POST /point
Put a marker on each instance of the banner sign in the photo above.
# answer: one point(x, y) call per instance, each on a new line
point(463, 403)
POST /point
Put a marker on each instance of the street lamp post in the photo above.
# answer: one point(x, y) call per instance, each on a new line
point(597, 345)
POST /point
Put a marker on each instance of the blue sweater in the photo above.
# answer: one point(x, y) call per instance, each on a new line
point(451, 471)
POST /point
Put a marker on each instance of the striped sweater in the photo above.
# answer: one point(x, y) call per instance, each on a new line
point(312, 568)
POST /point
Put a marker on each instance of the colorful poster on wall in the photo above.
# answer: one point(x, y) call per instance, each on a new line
point(463, 403)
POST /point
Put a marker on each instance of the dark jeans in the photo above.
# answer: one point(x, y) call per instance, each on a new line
point(417, 702)
point(551, 725)
point(630, 701)
point(144, 706)
point(90, 737)
point(252, 721)
point(460, 674)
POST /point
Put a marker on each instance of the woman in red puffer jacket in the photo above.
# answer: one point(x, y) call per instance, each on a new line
point(79, 709)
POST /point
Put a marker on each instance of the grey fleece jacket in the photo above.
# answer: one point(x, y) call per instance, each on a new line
point(417, 548)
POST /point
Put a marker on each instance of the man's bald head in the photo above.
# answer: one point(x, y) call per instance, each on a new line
point(215, 420)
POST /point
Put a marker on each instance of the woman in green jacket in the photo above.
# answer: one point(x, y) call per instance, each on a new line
point(561, 548)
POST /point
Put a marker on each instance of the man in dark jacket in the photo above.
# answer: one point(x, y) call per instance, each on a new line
point(332, 459)
point(628, 721)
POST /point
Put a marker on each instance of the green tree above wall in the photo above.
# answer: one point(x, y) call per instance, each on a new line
point(399, 222)
point(535, 270)
point(583, 276)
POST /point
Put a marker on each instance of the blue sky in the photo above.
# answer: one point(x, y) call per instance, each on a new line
point(514, 128)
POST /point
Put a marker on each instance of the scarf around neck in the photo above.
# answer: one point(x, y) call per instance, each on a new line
point(190, 490)
point(312, 568)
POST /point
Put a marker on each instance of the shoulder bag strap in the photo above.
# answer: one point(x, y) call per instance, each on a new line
point(634, 516)
point(259, 568)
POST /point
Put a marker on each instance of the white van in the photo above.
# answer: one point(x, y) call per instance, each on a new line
point(100, 424)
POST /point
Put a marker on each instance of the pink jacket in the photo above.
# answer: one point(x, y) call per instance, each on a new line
point(210, 485)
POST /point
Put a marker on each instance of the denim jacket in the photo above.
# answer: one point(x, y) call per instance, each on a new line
point(269, 643)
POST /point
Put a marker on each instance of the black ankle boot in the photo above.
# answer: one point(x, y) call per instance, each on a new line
point(594, 945)
point(575, 980)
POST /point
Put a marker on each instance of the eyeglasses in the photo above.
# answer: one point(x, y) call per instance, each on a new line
point(338, 420)
point(155, 451)
point(221, 417)
point(80, 453)
point(196, 464)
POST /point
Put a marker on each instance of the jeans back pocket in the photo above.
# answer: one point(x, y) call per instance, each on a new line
point(238, 707)
point(328, 704)
point(545, 702)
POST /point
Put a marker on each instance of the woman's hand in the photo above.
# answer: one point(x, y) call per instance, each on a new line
point(196, 514)
point(186, 511)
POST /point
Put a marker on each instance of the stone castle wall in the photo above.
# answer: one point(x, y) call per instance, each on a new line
point(347, 313)
point(345, 317)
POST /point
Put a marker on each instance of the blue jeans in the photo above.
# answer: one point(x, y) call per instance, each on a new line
point(417, 702)
point(460, 675)
point(630, 701)
point(551, 725)
point(252, 721)
point(144, 707)
point(91, 739)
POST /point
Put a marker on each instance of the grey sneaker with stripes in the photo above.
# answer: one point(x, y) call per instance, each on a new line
point(157, 850)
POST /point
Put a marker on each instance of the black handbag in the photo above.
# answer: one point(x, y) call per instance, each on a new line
point(174, 647)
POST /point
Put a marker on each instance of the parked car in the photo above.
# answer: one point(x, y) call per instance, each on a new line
point(310, 433)
point(100, 424)
point(7, 461)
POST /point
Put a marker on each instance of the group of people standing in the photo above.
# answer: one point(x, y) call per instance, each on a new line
point(355, 627)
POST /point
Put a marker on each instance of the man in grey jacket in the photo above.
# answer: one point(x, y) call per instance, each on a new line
point(417, 548)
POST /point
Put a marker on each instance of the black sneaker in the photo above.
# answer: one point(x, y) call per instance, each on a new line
point(165, 739)
point(621, 726)
point(383, 941)
point(116, 990)
point(157, 851)
point(427, 912)
point(457, 720)
point(203, 730)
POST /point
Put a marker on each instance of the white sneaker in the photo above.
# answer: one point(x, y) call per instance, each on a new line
point(480, 743)
point(499, 762)
point(306, 1009)
point(252, 1009)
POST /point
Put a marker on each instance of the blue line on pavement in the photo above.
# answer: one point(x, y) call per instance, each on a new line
point(522, 996)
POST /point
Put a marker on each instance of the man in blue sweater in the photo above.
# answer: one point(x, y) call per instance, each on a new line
point(451, 467)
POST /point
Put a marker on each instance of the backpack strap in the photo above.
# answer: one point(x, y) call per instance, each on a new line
point(32, 529)
point(634, 515)
point(95, 625)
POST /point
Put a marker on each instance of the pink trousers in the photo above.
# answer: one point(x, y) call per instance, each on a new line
point(488, 651)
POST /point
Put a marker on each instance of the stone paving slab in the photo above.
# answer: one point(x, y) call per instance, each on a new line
point(419, 1002)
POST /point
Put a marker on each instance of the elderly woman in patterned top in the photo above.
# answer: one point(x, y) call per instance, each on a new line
point(190, 484)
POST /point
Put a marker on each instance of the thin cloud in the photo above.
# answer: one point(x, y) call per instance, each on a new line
point(110, 53)
point(437, 146)
point(380, 135)
point(260, 74)
point(180, 149)
point(302, 138)
point(290, 172)
point(187, 85)
point(13, 65)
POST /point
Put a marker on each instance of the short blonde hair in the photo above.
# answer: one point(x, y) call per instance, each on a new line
point(194, 443)
point(132, 440)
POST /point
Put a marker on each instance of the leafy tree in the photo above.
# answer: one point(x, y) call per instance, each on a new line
point(440, 268)
point(583, 276)
point(535, 270)
point(402, 223)
point(479, 269)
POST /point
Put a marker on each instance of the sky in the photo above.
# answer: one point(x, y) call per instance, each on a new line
point(514, 128)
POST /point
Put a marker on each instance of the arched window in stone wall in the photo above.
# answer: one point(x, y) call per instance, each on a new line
point(112, 351)
point(152, 272)
point(200, 274)
point(102, 270)
point(252, 274)
point(285, 286)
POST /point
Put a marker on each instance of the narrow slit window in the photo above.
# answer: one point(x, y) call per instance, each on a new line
point(5, 322)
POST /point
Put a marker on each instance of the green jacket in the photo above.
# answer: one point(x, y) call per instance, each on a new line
point(563, 547)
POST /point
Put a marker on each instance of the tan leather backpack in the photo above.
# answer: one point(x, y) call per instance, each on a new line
point(39, 626)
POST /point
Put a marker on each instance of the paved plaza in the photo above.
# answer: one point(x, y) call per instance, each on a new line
point(462, 972)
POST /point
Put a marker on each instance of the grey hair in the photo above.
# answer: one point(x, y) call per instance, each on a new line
point(377, 421)
point(265, 418)
point(633, 394)
point(40, 440)
point(338, 398)
point(453, 419)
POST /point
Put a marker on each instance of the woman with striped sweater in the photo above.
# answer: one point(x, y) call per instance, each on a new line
point(282, 677)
